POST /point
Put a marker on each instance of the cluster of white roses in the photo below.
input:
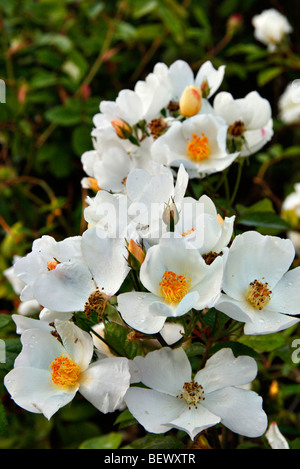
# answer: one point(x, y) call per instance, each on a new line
point(183, 258)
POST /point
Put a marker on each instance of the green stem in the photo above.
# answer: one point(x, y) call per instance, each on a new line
point(105, 342)
point(237, 182)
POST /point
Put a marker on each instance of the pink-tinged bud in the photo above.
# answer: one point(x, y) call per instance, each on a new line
point(170, 215)
point(22, 92)
point(191, 101)
point(234, 23)
point(85, 91)
point(123, 130)
point(205, 89)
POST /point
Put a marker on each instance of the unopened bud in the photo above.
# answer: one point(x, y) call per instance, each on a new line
point(234, 23)
point(22, 92)
point(205, 89)
point(51, 265)
point(170, 215)
point(123, 130)
point(274, 388)
point(93, 184)
point(191, 101)
point(137, 252)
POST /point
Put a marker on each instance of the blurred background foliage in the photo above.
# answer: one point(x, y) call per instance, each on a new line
point(59, 59)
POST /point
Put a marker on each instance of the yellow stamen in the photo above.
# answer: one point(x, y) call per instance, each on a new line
point(258, 294)
point(174, 287)
point(198, 149)
point(64, 372)
point(187, 232)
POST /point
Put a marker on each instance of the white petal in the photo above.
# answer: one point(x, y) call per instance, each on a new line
point(78, 343)
point(64, 289)
point(105, 383)
point(214, 77)
point(166, 370)
point(181, 75)
point(194, 421)
point(268, 322)
point(153, 409)
point(275, 437)
point(286, 295)
point(223, 370)
point(39, 349)
point(209, 287)
point(106, 258)
point(253, 256)
point(30, 388)
point(235, 309)
point(134, 309)
point(240, 410)
point(23, 323)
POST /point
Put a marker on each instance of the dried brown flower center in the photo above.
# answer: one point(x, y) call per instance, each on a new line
point(236, 129)
point(258, 294)
point(97, 302)
point(192, 392)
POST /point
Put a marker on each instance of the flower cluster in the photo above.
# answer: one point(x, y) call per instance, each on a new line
point(153, 261)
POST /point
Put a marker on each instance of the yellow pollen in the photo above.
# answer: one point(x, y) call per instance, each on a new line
point(192, 392)
point(52, 265)
point(187, 232)
point(174, 287)
point(65, 372)
point(198, 149)
point(258, 294)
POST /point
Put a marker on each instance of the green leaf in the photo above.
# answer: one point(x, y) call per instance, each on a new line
point(63, 115)
point(125, 419)
point(156, 442)
point(3, 422)
point(263, 343)
point(81, 139)
point(116, 336)
point(237, 348)
point(269, 74)
point(110, 441)
point(4, 320)
point(263, 220)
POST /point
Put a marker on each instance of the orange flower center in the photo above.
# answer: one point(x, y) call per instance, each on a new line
point(174, 287)
point(198, 148)
point(258, 294)
point(65, 372)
